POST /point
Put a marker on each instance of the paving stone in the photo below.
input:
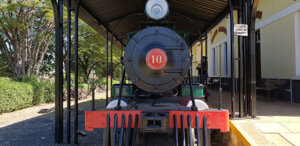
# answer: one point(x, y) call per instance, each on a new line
point(293, 127)
point(271, 127)
point(252, 133)
point(293, 138)
point(287, 118)
point(278, 140)
point(262, 119)
point(279, 119)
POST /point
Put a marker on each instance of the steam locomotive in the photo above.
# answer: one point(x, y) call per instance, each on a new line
point(157, 108)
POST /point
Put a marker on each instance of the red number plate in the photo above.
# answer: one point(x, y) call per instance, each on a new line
point(156, 59)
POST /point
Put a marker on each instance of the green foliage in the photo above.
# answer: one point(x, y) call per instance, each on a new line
point(42, 90)
point(89, 39)
point(49, 95)
point(48, 64)
point(84, 87)
point(41, 16)
point(5, 79)
point(14, 95)
point(24, 92)
point(102, 81)
point(26, 31)
point(4, 67)
point(29, 79)
point(38, 93)
point(11, 6)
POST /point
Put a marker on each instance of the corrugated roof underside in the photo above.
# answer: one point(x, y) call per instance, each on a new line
point(124, 16)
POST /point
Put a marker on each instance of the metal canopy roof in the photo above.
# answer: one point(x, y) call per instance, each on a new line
point(124, 16)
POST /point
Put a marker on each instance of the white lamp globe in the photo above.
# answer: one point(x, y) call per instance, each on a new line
point(157, 9)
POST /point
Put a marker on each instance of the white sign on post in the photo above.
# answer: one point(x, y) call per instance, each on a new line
point(241, 29)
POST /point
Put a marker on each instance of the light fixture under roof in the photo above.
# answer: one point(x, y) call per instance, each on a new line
point(157, 9)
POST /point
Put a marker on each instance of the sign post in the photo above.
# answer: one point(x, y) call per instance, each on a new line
point(240, 29)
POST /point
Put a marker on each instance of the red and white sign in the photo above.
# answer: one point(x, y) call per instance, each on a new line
point(156, 59)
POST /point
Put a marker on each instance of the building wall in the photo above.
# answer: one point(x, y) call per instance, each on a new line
point(216, 41)
point(278, 49)
point(197, 56)
point(278, 27)
point(271, 7)
point(219, 51)
point(220, 36)
point(278, 42)
point(297, 42)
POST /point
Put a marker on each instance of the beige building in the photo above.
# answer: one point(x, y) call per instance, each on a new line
point(277, 46)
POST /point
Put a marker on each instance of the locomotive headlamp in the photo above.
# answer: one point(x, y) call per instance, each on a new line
point(157, 9)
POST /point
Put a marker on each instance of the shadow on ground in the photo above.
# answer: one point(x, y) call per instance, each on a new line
point(40, 130)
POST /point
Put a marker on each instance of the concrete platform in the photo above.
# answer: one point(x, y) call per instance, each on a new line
point(277, 123)
point(270, 130)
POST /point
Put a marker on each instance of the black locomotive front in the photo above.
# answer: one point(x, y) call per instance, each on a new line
point(156, 59)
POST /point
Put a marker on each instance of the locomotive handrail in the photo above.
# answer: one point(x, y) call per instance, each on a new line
point(174, 48)
point(173, 70)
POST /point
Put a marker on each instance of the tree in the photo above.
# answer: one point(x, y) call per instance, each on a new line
point(48, 64)
point(4, 67)
point(26, 31)
point(89, 39)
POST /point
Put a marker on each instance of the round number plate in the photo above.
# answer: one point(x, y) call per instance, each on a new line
point(156, 59)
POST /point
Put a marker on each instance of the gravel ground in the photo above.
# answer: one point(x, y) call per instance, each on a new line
point(29, 127)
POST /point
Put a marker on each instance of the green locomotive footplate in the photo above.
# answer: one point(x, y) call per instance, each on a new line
point(197, 90)
point(126, 91)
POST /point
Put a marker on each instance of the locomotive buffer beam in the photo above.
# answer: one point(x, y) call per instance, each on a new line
point(123, 127)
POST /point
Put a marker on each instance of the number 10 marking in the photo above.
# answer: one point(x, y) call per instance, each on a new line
point(156, 59)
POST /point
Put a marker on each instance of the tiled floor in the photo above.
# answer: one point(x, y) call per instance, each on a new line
point(277, 123)
point(268, 130)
